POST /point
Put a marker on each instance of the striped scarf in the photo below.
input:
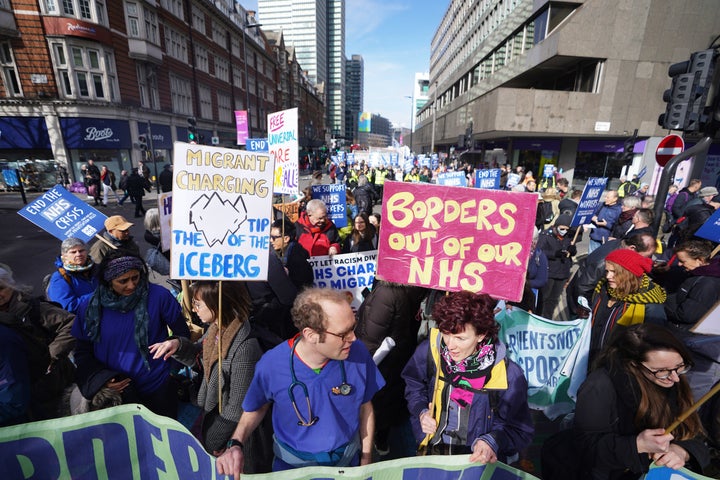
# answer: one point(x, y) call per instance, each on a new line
point(634, 303)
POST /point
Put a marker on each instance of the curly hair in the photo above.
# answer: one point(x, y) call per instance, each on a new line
point(236, 302)
point(626, 282)
point(627, 349)
point(456, 310)
point(307, 311)
point(696, 249)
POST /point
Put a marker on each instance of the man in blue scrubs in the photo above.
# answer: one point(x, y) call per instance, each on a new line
point(320, 384)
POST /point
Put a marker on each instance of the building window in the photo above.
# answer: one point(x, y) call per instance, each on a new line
point(142, 22)
point(235, 46)
point(85, 71)
point(225, 113)
point(201, 59)
point(181, 95)
point(221, 69)
point(175, 7)
point(205, 102)
point(237, 78)
point(198, 19)
point(175, 44)
point(88, 10)
point(219, 34)
point(9, 69)
point(147, 81)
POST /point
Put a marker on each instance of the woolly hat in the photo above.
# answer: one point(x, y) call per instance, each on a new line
point(631, 261)
point(708, 192)
point(563, 219)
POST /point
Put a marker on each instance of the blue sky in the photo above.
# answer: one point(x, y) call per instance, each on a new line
point(393, 37)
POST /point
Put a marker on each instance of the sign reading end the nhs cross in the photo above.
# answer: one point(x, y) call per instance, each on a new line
point(63, 215)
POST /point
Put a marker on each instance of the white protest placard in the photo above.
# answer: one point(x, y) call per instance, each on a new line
point(283, 145)
point(165, 209)
point(349, 272)
point(222, 206)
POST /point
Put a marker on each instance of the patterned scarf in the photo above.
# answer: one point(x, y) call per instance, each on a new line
point(210, 351)
point(469, 375)
point(79, 268)
point(634, 309)
point(105, 297)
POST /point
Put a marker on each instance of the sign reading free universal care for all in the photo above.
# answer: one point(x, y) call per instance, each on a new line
point(63, 215)
point(222, 204)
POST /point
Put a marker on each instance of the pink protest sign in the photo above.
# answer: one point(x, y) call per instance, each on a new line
point(454, 238)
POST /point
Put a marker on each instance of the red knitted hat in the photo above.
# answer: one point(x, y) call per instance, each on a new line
point(631, 261)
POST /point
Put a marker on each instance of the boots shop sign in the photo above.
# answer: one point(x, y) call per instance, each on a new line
point(96, 133)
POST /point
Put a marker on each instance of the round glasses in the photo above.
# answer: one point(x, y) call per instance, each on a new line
point(665, 373)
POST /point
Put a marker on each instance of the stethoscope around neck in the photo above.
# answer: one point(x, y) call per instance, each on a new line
point(343, 389)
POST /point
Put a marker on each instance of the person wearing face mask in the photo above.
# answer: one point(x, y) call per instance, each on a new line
point(114, 328)
point(559, 250)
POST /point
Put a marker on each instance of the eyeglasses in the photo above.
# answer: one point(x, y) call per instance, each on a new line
point(344, 337)
point(665, 373)
point(275, 237)
point(197, 304)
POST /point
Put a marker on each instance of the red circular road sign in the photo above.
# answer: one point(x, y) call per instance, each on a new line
point(668, 148)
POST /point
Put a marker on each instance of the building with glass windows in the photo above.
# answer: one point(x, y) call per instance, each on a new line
point(536, 82)
point(354, 96)
point(316, 30)
point(86, 78)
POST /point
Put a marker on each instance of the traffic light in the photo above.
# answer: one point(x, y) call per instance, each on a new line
point(629, 148)
point(687, 98)
point(192, 130)
point(142, 143)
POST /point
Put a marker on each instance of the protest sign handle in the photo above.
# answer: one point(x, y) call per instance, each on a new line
point(694, 407)
point(219, 346)
point(577, 232)
point(186, 301)
point(100, 237)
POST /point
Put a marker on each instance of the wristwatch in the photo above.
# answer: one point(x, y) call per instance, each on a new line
point(233, 442)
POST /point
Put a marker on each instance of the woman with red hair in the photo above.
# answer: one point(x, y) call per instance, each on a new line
point(464, 395)
point(626, 296)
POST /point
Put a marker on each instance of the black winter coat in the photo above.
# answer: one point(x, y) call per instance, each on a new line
point(696, 295)
point(556, 250)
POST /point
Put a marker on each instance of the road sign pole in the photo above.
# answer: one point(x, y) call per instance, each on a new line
point(668, 174)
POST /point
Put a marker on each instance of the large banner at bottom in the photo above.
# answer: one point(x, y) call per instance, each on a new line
point(130, 442)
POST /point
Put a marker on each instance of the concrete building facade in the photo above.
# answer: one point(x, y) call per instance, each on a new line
point(566, 83)
point(354, 98)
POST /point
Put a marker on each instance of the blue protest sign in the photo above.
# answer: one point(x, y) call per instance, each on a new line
point(548, 170)
point(335, 200)
point(711, 228)
point(456, 179)
point(589, 201)
point(11, 178)
point(488, 178)
point(63, 215)
point(256, 145)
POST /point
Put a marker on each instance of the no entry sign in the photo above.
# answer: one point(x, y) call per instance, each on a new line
point(668, 148)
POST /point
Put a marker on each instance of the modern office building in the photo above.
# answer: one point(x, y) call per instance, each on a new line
point(420, 97)
point(568, 83)
point(87, 79)
point(354, 96)
point(316, 29)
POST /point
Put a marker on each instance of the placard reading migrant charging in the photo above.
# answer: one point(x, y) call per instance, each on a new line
point(553, 356)
point(589, 201)
point(222, 204)
point(63, 215)
point(456, 238)
point(349, 272)
point(457, 179)
point(335, 201)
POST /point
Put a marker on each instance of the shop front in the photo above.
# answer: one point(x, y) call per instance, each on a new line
point(107, 142)
point(25, 147)
point(534, 153)
point(161, 144)
point(602, 158)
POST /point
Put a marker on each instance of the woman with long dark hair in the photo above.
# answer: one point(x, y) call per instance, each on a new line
point(464, 395)
point(362, 236)
point(636, 391)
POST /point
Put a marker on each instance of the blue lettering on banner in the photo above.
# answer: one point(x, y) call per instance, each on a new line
point(256, 145)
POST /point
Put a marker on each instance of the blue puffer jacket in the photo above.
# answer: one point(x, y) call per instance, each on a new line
point(68, 290)
point(507, 427)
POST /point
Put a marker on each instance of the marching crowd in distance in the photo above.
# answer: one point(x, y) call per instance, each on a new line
point(298, 389)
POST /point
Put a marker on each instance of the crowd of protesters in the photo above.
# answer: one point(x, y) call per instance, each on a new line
point(102, 334)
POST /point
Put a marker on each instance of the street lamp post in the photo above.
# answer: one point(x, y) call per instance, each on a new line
point(412, 116)
point(247, 25)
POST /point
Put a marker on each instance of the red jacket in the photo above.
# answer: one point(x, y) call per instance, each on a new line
point(317, 241)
